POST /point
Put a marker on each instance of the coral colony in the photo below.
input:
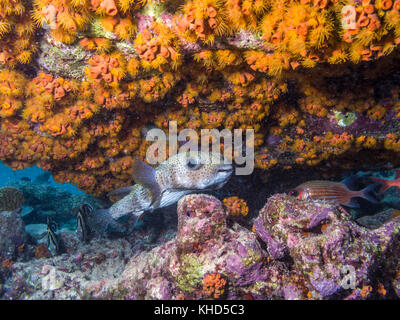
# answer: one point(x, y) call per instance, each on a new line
point(316, 82)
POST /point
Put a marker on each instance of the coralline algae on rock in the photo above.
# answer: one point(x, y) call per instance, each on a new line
point(325, 245)
point(12, 234)
point(310, 249)
point(297, 250)
point(82, 273)
point(204, 244)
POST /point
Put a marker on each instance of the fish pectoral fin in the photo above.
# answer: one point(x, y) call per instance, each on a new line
point(121, 192)
point(145, 175)
point(136, 217)
point(156, 199)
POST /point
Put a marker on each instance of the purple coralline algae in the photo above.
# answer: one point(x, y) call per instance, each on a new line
point(333, 255)
point(12, 234)
point(204, 244)
point(296, 250)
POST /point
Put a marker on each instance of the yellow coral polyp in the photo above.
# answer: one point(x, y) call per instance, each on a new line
point(64, 18)
point(204, 20)
point(5, 27)
point(125, 29)
point(233, 84)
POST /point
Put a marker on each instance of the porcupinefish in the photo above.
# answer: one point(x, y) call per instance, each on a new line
point(179, 175)
point(331, 191)
point(52, 241)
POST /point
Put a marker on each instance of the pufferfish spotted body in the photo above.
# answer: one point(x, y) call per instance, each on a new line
point(179, 175)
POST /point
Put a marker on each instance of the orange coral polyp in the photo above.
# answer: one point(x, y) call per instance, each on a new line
point(213, 285)
point(363, 21)
point(110, 7)
point(386, 4)
point(54, 116)
point(212, 13)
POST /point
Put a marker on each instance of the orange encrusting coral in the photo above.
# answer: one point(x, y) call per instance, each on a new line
point(65, 18)
point(213, 285)
point(203, 20)
point(236, 206)
point(158, 48)
point(16, 33)
point(11, 92)
point(211, 64)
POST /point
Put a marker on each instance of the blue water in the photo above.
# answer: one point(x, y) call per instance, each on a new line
point(8, 175)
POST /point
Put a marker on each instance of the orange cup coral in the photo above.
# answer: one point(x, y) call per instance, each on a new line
point(213, 285)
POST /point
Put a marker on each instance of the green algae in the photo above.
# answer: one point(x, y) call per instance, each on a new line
point(155, 9)
point(345, 119)
point(252, 258)
point(63, 60)
point(97, 30)
point(126, 48)
point(191, 276)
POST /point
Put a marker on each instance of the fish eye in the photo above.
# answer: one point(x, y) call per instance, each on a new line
point(293, 193)
point(193, 164)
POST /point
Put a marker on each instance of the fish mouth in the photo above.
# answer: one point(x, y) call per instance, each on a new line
point(222, 176)
point(226, 168)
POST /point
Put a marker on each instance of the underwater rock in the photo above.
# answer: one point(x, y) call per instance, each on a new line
point(27, 211)
point(310, 249)
point(75, 275)
point(68, 239)
point(204, 245)
point(101, 223)
point(54, 280)
point(297, 250)
point(37, 230)
point(48, 200)
point(378, 219)
point(10, 198)
point(62, 59)
point(325, 245)
point(48, 213)
point(12, 234)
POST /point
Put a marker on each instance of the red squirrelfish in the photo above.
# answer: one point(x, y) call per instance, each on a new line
point(386, 184)
point(331, 191)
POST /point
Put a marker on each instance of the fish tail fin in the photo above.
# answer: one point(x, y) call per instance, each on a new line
point(102, 222)
point(385, 184)
point(350, 182)
point(367, 194)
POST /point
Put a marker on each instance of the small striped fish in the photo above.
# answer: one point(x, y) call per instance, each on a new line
point(52, 241)
point(82, 227)
point(331, 191)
